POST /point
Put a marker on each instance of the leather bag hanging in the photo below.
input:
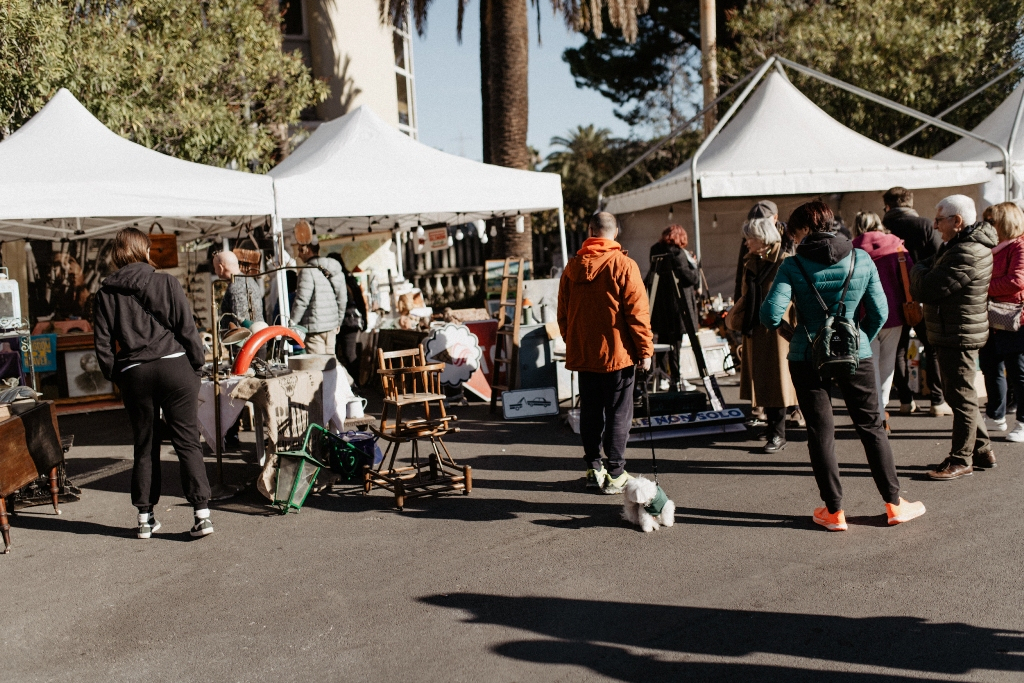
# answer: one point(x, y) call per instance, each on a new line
point(163, 248)
point(912, 313)
point(248, 259)
point(1004, 316)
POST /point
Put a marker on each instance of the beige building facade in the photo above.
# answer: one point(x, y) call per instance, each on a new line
point(363, 61)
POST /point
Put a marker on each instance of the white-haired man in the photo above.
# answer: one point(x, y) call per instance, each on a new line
point(953, 286)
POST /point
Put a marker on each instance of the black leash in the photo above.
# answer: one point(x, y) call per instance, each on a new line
point(650, 422)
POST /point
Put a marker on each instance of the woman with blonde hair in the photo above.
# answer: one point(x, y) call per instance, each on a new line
point(1004, 351)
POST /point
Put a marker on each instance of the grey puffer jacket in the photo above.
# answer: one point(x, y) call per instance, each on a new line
point(953, 286)
point(320, 302)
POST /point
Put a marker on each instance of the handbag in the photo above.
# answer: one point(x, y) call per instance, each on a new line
point(1004, 316)
point(912, 313)
point(249, 260)
point(163, 248)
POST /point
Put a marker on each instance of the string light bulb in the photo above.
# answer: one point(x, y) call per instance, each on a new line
point(671, 213)
point(520, 224)
point(459, 234)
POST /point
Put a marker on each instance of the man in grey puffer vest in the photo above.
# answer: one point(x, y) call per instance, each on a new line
point(953, 286)
point(320, 299)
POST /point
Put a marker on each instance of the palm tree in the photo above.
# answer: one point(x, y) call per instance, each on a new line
point(504, 61)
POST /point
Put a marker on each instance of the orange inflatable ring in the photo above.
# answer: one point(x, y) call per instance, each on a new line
point(256, 341)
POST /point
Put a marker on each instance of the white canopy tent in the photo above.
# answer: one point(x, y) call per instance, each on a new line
point(1002, 126)
point(782, 146)
point(65, 175)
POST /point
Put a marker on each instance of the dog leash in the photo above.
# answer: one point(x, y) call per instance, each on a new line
point(650, 422)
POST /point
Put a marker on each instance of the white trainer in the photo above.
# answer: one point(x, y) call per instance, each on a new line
point(995, 425)
point(939, 409)
point(1017, 434)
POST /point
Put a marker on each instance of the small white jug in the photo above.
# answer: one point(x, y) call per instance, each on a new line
point(355, 407)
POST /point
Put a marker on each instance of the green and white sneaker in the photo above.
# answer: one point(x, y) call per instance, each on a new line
point(148, 525)
point(618, 484)
point(202, 527)
point(596, 479)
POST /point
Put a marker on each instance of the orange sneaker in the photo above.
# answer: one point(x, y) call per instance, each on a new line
point(832, 522)
point(904, 512)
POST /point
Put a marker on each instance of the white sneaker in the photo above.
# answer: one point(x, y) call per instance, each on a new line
point(938, 409)
point(995, 425)
point(1017, 435)
point(908, 408)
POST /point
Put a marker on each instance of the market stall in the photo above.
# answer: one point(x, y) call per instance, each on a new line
point(783, 147)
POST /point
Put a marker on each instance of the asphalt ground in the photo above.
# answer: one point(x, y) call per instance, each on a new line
point(530, 578)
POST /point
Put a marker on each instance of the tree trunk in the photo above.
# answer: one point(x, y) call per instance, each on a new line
point(509, 48)
point(485, 76)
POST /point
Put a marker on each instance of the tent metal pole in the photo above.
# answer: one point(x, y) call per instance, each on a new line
point(757, 76)
point(1008, 172)
point(561, 235)
point(672, 135)
point(958, 104)
point(903, 109)
point(282, 278)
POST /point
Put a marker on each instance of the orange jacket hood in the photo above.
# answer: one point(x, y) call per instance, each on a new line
point(594, 256)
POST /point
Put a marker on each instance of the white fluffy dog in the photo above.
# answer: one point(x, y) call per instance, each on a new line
point(646, 505)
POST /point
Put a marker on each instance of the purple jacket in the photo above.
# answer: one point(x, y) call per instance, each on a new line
point(884, 251)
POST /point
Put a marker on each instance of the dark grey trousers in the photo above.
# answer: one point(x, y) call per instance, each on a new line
point(861, 396)
point(959, 367)
point(170, 384)
point(606, 415)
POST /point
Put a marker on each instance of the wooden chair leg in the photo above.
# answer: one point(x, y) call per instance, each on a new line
point(366, 480)
point(467, 472)
point(5, 528)
point(399, 495)
point(54, 490)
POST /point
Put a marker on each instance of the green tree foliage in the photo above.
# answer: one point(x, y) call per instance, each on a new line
point(587, 157)
point(926, 54)
point(202, 81)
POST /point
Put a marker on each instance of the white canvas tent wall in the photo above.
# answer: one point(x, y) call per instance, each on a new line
point(779, 144)
point(1003, 126)
point(66, 175)
point(358, 169)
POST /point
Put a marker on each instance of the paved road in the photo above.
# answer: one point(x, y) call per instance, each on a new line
point(529, 578)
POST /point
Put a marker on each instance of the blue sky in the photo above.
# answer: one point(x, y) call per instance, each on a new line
point(448, 84)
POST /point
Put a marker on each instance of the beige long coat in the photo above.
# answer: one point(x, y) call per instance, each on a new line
point(764, 371)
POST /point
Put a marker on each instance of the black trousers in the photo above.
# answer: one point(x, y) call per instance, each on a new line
point(172, 385)
point(901, 378)
point(606, 415)
point(861, 397)
point(776, 418)
point(346, 349)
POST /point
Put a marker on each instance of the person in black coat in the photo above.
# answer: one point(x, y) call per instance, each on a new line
point(921, 240)
point(666, 316)
point(147, 343)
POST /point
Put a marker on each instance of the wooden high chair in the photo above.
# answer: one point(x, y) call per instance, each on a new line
point(409, 384)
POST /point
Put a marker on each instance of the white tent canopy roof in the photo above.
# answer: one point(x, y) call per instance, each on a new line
point(781, 143)
point(65, 164)
point(360, 169)
point(996, 127)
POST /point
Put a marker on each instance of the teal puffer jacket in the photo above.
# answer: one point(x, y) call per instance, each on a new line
point(826, 258)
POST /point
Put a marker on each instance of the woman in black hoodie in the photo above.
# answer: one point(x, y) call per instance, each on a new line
point(147, 343)
point(666, 317)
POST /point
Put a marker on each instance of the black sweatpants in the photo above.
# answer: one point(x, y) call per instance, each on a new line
point(861, 397)
point(606, 415)
point(170, 384)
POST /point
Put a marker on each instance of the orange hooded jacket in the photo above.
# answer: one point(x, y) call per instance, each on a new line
point(603, 313)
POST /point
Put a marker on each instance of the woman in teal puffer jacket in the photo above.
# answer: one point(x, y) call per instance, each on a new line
point(826, 258)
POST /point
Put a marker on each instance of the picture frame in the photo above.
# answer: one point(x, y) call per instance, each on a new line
point(83, 376)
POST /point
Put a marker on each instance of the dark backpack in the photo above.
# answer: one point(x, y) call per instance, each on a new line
point(835, 350)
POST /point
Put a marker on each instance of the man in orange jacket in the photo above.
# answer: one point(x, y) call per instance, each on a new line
point(604, 319)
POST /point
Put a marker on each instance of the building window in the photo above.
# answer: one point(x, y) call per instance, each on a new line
point(404, 80)
point(292, 21)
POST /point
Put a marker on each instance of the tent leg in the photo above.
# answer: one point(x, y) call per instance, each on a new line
point(282, 278)
point(696, 219)
point(561, 234)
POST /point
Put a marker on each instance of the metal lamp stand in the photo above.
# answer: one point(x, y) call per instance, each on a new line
point(220, 491)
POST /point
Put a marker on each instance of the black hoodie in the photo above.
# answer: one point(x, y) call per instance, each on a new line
point(141, 316)
point(826, 248)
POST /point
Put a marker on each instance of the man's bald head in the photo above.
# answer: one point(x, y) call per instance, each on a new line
point(604, 224)
point(225, 264)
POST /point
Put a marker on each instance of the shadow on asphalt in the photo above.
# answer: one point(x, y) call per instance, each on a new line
point(581, 633)
point(63, 525)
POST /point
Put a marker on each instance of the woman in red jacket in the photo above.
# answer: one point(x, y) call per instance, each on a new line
point(1005, 349)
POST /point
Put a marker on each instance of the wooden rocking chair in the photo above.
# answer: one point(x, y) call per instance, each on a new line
point(410, 383)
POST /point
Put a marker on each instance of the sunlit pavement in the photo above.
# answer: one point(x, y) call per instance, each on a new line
point(530, 577)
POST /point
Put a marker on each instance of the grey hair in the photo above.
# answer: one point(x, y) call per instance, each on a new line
point(867, 221)
point(763, 229)
point(959, 205)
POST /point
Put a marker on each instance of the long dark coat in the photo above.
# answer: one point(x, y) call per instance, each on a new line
point(665, 319)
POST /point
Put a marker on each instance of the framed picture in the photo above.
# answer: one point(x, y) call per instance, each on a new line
point(83, 375)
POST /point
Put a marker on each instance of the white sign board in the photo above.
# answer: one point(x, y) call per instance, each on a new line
point(529, 403)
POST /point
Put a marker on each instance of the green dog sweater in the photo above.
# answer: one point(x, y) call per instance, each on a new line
point(658, 504)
